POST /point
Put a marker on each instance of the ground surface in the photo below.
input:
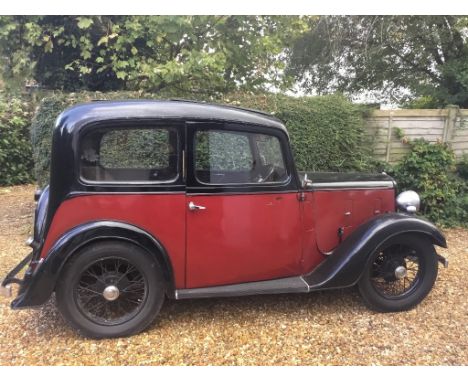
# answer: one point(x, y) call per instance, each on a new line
point(321, 328)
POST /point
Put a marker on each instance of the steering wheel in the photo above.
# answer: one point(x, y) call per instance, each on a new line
point(269, 170)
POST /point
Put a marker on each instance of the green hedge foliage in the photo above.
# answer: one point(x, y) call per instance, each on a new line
point(326, 132)
point(429, 169)
point(15, 148)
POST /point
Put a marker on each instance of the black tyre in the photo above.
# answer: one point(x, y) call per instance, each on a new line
point(110, 289)
point(399, 274)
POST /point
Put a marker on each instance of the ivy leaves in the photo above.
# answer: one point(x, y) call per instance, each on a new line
point(84, 22)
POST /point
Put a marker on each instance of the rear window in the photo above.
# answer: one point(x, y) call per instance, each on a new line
point(130, 155)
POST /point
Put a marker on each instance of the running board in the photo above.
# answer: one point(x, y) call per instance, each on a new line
point(322, 277)
point(286, 285)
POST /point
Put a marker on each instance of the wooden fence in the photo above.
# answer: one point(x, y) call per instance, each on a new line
point(446, 125)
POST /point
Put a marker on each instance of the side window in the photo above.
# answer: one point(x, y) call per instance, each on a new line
point(219, 150)
point(130, 155)
point(269, 150)
point(231, 157)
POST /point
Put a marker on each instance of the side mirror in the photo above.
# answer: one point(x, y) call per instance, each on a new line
point(306, 183)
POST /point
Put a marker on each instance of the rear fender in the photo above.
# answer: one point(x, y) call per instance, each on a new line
point(345, 265)
point(41, 284)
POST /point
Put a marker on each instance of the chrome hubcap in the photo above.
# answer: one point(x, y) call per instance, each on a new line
point(111, 293)
point(400, 272)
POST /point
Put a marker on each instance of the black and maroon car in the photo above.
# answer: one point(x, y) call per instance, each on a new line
point(173, 199)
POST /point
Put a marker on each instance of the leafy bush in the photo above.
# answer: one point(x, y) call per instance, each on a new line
point(462, 167)
point(15, 147)
point(326, 132)
point(429, 169)
point(424, 102)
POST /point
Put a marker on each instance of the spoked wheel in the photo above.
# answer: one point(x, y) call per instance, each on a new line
point(396, 271)
point(399, 274)
point(110, 289)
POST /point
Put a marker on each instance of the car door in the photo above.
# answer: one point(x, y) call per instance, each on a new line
point(243, 215)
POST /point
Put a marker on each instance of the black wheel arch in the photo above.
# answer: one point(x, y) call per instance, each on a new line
point(344, 267)
point(43, 281)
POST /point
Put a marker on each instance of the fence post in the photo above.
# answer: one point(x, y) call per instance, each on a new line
point(449, 127)
point(389, 137)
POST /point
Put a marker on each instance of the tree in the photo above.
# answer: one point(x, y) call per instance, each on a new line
point(184, 53)
point(425, 55)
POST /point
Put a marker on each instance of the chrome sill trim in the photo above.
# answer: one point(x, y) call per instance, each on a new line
point(285, 183)
point(285, 285)
point(370, 184)
point(76, 194)
point(189, 193)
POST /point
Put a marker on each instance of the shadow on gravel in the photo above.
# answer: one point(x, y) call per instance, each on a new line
point(279, 303)
point(240, 309)
point(47, 321)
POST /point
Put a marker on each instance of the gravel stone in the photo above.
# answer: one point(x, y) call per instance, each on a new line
point(323, 328)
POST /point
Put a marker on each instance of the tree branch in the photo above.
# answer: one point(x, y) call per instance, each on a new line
point(415, 66)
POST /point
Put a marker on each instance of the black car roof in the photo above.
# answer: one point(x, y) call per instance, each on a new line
point(95, 111)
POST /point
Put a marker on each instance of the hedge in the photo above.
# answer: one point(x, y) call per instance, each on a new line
point(15, 148)
point(326, 132)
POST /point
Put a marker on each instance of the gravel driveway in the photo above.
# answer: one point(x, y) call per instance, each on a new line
point(324, 328)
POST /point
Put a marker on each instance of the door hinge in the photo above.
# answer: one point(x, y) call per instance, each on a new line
point(301, 196)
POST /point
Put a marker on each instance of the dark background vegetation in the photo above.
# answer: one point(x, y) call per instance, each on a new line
point(51, 62)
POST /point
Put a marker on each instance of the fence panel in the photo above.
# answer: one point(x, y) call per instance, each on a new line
point(446, 125)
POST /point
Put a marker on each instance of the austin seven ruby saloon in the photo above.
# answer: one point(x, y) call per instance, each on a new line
point(174, 199)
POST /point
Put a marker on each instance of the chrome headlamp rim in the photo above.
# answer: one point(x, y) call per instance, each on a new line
point(408, 201)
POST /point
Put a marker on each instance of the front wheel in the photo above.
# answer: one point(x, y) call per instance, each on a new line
point(399, 274)
point(110, 289)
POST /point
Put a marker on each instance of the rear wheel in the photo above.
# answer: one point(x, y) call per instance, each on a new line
point(110, 289)
point(399, 274)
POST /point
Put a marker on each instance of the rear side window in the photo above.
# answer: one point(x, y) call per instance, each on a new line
point(130, 155)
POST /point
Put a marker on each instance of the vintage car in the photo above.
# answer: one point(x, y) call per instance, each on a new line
point(175, 199)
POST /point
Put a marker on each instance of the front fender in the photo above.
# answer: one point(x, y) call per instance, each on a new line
point(345, 265)
point(38, 287)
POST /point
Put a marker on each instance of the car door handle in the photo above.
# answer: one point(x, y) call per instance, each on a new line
point(193, 207)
